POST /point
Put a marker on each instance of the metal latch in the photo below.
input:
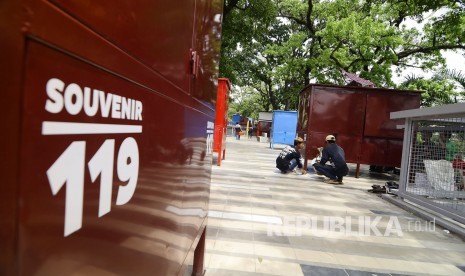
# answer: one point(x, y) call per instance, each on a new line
point(194, 63)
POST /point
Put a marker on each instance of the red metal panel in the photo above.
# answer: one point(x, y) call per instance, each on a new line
point(207, 44)
point(379, 107)
point(337, 111)
point(221, 119)
point(129, 24)
point(157, 200)
point(394, 153)
point(130, 198)
point(374, 151)
point(11, 51)
point(75, 38)
point(350, 144)
point(381, 152)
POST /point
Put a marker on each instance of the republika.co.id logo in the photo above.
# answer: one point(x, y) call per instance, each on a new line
point(348, 226)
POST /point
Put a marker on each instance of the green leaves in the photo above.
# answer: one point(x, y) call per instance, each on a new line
point(438, 90)
point(277, 47)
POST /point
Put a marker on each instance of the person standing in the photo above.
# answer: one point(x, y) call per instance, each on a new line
point(335, 154)
point(238, 130)
point(250, 132)
point(290, 157)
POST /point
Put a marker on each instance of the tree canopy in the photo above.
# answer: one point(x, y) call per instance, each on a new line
point(273, 49)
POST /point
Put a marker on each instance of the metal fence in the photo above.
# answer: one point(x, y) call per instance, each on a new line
point(433, 165)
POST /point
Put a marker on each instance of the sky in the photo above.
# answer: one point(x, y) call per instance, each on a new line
point(454, 60)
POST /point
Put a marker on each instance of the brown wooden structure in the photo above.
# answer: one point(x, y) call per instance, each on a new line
point(358, 117)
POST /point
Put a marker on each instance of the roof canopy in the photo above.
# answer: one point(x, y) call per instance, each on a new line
point(358, 80)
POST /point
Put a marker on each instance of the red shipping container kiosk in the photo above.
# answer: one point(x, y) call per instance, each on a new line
point(107, 135)
point(359, 117)
point(221, 119)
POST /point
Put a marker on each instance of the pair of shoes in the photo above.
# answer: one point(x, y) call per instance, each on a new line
point(392, 185)
point(300, 172)
point(334, 181)
point(287, 172)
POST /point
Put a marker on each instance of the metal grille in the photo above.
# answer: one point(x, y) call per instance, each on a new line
point(436, 167)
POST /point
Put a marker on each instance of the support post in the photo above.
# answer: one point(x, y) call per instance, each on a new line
point(199, 253)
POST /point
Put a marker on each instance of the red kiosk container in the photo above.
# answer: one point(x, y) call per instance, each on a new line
point(107, 135)
point(359, 117)
point(221, 119)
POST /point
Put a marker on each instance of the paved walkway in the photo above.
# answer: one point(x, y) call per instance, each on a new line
point(264, 223)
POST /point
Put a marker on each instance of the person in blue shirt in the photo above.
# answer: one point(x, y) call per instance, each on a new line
point(290, 157)
point(334, 154)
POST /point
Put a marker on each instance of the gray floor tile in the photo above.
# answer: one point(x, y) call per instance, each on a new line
point(236, 235)
point(212, 232)
point(244, 203)
point(263, 237)
point(262, 196)
point(255, 177)
point(216, 201)
point(263, 205)
point(226, 272)
point(310, 270)
point(380, 212)
point(345, 187)
point(365, 273)
point(239, 194)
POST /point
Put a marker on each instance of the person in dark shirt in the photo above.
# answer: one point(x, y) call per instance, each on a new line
point(335, 154)
point(289, 158)
point(238, 130)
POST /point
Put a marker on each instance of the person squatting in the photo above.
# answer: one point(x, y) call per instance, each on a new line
point(335, 154)
point(290, 157)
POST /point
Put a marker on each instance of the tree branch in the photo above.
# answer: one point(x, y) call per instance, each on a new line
point(228, 6)
point(354, 62)
point(426, 50)
point(309, 15)
point(334, 58)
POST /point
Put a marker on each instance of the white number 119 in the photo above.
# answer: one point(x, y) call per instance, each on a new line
point(69, 170)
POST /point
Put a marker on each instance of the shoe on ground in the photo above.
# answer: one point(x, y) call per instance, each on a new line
point(287, 172)
point(377, 189)
point(334, 182)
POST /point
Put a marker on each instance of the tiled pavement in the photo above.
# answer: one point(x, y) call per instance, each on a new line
point(264, 223)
